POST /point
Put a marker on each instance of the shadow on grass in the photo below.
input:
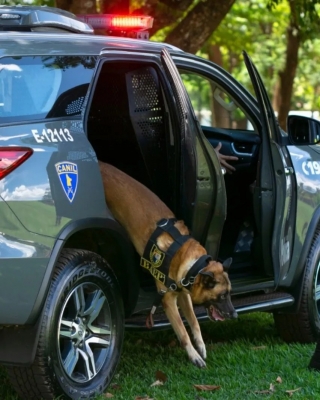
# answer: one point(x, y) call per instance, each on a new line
point(6, 392)
point(252, 327)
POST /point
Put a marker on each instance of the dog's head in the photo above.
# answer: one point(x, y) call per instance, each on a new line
point(212, 288)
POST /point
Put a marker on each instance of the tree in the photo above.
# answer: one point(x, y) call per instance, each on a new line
point(94, 6)
point(249, 27)
point(274, 40)
point(298, 32)
point(192, 22)
point(77, 6)
point(288, 73)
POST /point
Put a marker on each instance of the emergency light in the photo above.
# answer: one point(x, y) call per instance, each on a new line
point(120, 25)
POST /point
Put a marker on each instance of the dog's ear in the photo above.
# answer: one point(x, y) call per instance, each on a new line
point(207, 279)
point(226, 264)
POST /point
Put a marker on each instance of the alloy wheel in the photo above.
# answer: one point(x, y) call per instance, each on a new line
point(84, 332)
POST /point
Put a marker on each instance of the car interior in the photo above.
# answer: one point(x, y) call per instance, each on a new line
point(128, 127)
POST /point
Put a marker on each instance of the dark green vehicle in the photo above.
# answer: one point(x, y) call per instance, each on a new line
point(70, 281)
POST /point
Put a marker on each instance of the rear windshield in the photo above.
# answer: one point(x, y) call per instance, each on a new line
point(43, 86)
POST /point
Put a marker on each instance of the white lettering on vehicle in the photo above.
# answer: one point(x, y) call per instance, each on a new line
point(52, 136)
point(311, 167)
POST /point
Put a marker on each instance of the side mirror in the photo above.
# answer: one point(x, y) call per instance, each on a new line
point(303, 130)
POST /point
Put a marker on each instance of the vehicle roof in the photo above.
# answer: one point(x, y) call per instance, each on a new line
point(32, 43)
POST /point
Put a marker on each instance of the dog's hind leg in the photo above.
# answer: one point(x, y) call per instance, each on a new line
point(185, 303)
point(169, 303)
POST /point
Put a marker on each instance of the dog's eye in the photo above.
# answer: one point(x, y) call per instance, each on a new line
point(223, 297)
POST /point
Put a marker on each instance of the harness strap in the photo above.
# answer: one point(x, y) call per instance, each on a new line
point(156, 303)
point(157, 261)
point(201, 263)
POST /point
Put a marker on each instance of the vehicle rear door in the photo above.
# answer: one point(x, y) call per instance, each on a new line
point(199, 194)
point(202, 190)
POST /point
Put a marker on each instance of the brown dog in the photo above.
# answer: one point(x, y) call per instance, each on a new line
point(138, 210)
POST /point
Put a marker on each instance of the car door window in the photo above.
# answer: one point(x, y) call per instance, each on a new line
point(214, 107)
point(40, 87)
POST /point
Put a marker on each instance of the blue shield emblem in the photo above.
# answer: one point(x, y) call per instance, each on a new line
point(68, 175)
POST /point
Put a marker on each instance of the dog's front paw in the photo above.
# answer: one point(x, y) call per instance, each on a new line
point(196, 359)
point(201, 349)
point(198, 362)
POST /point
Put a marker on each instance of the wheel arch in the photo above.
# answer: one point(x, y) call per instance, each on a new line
point(103, 236)
point(297, 278)
point(107, 238)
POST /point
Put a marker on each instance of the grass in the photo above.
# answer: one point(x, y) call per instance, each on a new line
point(245, 356)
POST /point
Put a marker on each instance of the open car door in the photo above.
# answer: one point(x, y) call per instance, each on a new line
point(274, 211)
point(202, 191)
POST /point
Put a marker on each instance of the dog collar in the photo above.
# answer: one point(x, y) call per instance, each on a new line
point(156, 261)
point(201, 263)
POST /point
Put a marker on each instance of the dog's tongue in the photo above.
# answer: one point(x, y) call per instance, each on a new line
point(215, 314)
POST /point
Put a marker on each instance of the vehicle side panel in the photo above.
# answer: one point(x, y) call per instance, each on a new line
point(306, 164)
point(38, 191)
point(24, 257)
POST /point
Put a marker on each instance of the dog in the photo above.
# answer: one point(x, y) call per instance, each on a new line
point(138, 210)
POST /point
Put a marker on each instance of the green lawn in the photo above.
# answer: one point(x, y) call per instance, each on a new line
point(245, 356)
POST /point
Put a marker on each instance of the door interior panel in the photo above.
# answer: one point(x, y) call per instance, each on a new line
point(240, 143)
point(239, 229)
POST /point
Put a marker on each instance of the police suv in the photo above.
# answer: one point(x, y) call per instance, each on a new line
point(70, 281)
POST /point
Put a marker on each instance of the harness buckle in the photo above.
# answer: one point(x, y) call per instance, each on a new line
point(173, 287)
point(189, 282)
point(162, 222)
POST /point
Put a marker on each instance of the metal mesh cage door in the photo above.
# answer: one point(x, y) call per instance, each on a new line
point(148, 119)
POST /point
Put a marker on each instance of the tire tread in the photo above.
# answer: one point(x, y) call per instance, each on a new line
point(299, 327)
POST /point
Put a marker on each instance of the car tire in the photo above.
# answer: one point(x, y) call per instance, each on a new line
point(304, 326)
point(81, 334)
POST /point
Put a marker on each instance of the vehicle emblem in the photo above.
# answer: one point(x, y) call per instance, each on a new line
point(68, 175)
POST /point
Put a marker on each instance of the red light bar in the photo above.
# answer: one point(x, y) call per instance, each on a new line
point(115, 22)
point(11, 158)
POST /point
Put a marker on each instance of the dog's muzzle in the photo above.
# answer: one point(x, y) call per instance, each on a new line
point(220, 313)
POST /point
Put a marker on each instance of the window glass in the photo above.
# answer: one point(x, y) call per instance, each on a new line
point(213, 106)
point(43, 86)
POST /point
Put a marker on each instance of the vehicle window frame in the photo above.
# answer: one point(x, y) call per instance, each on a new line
point(229, 93)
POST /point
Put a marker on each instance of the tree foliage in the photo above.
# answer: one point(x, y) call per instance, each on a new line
point(221, 30)
point(306, 12)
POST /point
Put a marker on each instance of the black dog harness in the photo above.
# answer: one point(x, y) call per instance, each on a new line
point(157, 262)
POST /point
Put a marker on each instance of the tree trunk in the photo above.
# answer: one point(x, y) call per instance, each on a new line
point(193, 31)
point(77, 6)
point(64, 4)
point(276, 96)
point(220, 117)
point(115, 6)
point(164, 12)
point(287, 75)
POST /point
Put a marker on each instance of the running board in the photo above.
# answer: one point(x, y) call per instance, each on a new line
point(261, 302)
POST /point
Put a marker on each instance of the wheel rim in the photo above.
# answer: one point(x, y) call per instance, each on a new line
point(84, 332)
